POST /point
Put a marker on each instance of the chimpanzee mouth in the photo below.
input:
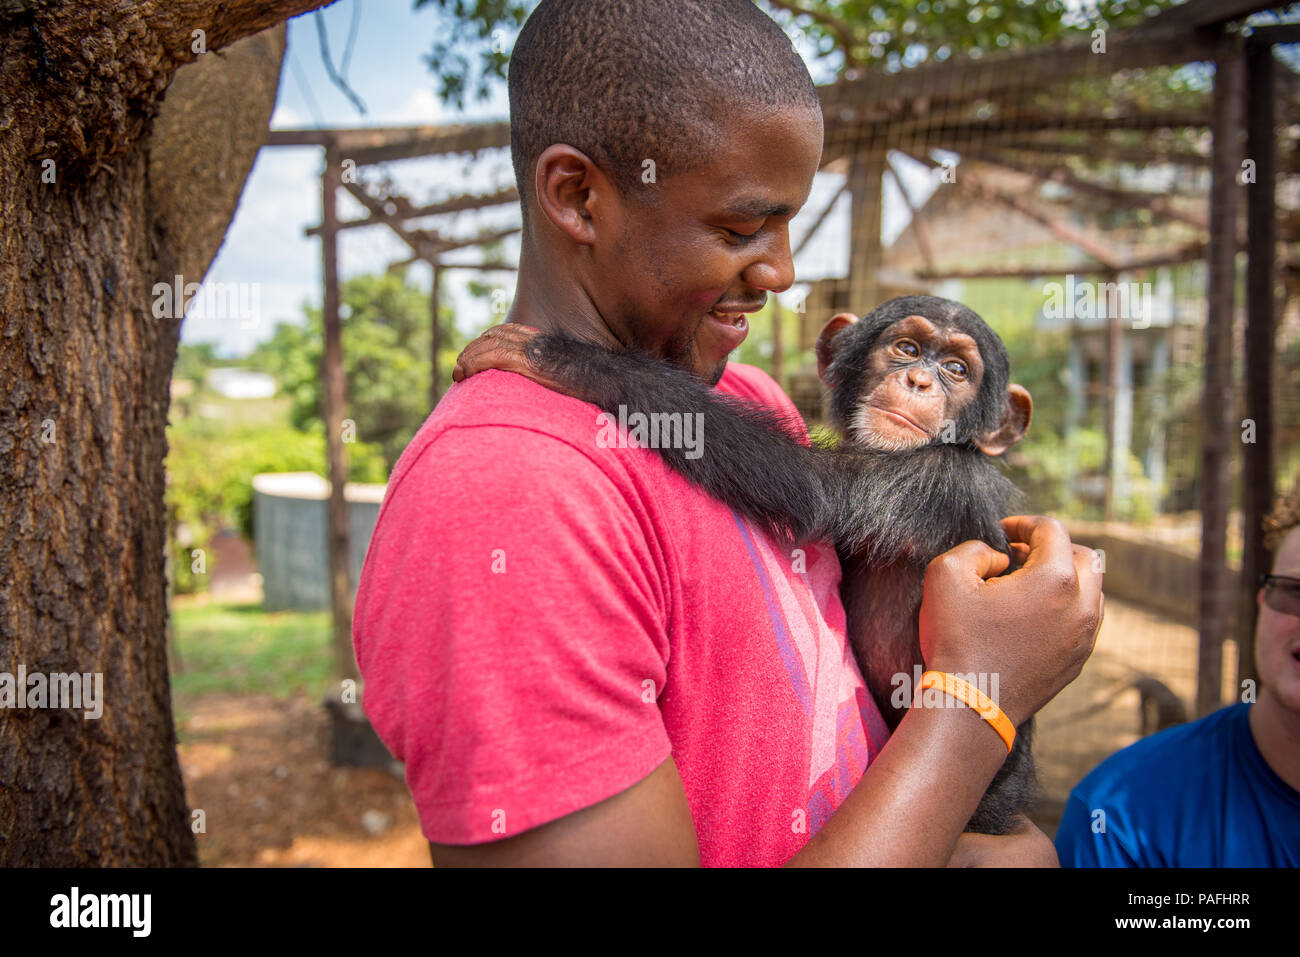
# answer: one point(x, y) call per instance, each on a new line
point(904, 420)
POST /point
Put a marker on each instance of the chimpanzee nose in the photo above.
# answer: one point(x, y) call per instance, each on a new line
point(919, 379)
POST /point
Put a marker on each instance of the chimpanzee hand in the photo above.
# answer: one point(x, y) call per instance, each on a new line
point(502, 347)
point(1032, 629)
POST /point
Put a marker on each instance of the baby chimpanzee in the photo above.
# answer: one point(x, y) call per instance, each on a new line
point(920, 396)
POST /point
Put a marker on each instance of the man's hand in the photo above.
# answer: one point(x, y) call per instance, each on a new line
point(1033, 629)
point(1026, 846)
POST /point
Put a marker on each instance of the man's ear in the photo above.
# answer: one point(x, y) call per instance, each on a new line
point(1016, 414)
point(569, 188)
point(825, 339)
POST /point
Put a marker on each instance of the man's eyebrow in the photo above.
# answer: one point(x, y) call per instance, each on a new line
point(756, 209)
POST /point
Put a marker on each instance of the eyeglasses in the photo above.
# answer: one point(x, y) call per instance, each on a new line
point(1281, 593)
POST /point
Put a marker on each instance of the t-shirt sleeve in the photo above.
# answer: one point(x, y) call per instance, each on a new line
point(510, 628)
point(1085, 839)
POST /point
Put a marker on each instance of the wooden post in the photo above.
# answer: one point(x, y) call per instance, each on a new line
point(435, 339)
point(778, 345)
point(1114, 347)
point(866, 255)
point(333, 400)
point(1258, 477)
point(1218, 434)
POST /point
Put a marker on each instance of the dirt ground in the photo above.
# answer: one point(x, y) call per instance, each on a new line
point(1100, 712)
point(259, 769)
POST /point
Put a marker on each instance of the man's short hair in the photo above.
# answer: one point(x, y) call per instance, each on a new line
point(626, 81)
point(1284, 517)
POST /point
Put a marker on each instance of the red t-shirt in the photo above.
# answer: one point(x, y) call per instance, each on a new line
point(544, 617)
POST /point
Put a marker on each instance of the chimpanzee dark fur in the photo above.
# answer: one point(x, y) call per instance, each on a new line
point(893, 512)
point(896, 512)
point(751, 460)
point(888, 512)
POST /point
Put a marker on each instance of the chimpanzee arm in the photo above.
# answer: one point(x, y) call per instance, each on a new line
point(748, 457)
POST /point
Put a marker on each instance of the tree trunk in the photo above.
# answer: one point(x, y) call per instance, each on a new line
point(88, 224)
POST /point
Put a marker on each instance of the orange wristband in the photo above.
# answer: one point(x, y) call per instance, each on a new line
point(981, 703)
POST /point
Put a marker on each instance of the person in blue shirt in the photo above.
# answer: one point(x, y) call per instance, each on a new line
point(1223, 791)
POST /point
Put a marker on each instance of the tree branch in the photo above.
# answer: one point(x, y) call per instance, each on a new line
point(968, 180)
point(83, 78)
point(203, 143)
point(843, 32)
point(920, 231)
point(335, 76)
point(223, 21)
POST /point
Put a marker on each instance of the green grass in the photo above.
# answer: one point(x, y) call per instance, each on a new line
point(268, 413)
point(241, 649)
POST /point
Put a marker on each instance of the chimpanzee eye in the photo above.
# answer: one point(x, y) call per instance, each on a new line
point(908, 348)
point(955, 367)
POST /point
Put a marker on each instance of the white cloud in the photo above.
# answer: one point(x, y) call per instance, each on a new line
point(286, 118)
point(266, 247)
point(420, 106)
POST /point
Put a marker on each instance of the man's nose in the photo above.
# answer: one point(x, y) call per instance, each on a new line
point(773, 270)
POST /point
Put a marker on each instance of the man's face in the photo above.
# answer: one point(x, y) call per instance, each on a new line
point(1277, 635)
point(686, 268)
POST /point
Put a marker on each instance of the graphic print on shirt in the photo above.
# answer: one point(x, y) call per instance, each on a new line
point(822, 672)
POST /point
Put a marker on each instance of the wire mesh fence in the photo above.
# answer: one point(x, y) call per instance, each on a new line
point(1067, 194)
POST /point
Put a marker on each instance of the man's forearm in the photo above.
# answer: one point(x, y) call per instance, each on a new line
point(915, 798)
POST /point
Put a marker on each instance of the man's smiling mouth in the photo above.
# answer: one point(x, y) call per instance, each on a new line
point(737, 319)
point(731, 327)
point(734, 314)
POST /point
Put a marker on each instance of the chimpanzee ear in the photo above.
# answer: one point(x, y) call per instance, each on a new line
point(825, 344)
point(1016, 413)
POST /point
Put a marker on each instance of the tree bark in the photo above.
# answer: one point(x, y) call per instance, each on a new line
point(103, 198)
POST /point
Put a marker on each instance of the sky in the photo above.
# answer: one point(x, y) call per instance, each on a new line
point(266, 247)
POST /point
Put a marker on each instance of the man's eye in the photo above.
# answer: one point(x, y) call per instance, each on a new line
point(908, 348)
point(956, 367)
point(741, 238)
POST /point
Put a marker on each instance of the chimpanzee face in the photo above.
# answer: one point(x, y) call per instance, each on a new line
point(919, 377)
point(918, 371)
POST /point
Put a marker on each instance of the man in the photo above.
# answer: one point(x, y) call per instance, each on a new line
point(580, 658)
point(1223, 791)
